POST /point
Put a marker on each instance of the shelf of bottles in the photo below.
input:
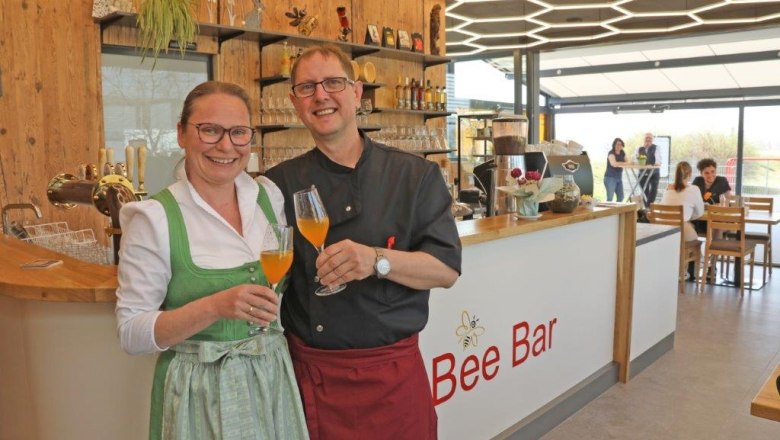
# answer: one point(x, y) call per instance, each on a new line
point(224, 33)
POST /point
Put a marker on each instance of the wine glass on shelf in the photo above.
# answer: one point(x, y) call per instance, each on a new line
point(313, 223)
point(276, 258)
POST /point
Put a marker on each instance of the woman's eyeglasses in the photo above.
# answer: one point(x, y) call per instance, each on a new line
point(212, 133)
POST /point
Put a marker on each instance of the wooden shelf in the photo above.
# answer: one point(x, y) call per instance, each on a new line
point(427, 152)
point(271, 128)
point(224, 33)
point(425, 113)
point(481, 138)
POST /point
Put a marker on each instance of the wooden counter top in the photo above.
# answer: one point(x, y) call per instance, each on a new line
point(72, 281)
point(766, 404)
point(502, 226)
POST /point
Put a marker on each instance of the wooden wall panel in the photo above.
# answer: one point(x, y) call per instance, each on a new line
point(50, 116)
point(51, 111)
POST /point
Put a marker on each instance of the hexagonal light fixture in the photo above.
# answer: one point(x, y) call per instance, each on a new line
point(558, 23)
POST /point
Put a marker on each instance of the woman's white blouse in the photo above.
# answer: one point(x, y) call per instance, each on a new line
point(144, 257)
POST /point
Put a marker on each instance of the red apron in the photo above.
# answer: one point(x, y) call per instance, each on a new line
point(366, 393)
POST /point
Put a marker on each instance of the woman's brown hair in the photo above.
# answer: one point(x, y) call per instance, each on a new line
point(211, 88)
point(681, 174)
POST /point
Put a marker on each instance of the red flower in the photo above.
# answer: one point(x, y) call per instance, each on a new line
point(516, 172)
point(533, 175)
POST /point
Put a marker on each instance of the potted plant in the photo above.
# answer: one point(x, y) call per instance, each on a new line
point(161, 21)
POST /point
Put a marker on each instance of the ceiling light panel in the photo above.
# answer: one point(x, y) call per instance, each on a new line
point(566, 23)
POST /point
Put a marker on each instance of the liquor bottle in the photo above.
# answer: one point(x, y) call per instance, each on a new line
point(399, 94)
point(443, 99)
point(410, 94)
point(428, 97)
point(420, 92)
point(284, 70)
point(435, 99)
point(407, 94)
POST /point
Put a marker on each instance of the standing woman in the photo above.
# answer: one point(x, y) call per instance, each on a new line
point(682, 193)
point(190, 282)
point(613, 178)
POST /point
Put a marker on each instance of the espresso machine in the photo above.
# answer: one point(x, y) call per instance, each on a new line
point(510, 137)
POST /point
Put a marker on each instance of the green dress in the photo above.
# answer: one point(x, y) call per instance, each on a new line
point(221, 383)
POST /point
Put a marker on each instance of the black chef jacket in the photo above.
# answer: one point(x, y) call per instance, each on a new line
point(389, 193)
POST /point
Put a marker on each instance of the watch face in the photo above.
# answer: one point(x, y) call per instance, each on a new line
point(383, 266)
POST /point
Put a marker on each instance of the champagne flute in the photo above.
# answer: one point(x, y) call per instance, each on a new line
point(313, 222)
point(275, 258)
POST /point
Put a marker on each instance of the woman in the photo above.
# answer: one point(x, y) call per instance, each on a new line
point(711, 186)
point(681, 193)
point(613, 178)
point(190, 282)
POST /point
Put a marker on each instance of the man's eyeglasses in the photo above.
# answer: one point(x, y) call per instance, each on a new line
point(212, 133)
point(330, 85)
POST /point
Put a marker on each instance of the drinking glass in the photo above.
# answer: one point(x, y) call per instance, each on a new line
point(276, 258)
point(313, 222)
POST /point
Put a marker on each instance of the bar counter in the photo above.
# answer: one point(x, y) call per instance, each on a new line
point(542, 313)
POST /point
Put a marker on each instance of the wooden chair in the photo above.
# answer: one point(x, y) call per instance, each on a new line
point(690, 251)
point(727, 219)
point(763, 204)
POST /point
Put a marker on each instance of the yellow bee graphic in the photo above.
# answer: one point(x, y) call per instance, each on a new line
point(468, 331)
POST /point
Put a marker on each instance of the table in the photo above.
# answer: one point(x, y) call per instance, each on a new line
point(756, 218)
point(636, 171)
point(766, 404)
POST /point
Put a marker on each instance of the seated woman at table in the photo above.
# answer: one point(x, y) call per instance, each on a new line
point(613, 178)
point(711, 186)
point(682, 193)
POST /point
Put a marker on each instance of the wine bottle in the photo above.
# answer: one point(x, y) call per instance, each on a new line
point(443, 99)
point(420, 91)
point(428, 97)
point(435, 99)
point(284, 69)
point(399, 94)
point(410, 96)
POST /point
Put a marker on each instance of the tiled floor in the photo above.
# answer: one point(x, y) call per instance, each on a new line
point(725, 348)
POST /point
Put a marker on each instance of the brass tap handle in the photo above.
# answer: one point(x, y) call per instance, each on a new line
point(141, 167)
point(130, 161)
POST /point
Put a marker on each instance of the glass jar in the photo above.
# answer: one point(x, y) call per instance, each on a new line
point(568, 197)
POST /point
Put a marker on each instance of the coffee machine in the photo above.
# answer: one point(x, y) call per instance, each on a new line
point(510, 135)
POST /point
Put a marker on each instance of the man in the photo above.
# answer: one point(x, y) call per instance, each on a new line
point(391, 239)
point(648, 180)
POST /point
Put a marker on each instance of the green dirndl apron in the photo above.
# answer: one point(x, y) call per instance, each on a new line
point(221, 383)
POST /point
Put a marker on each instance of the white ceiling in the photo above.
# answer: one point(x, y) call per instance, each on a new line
point(706, 77)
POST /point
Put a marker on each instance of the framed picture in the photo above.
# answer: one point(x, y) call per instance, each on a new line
point(404, 42)
point(388, 37)
point(372, 35)
point(417, 42)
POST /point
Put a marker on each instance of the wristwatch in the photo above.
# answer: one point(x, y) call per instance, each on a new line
point(382, 264)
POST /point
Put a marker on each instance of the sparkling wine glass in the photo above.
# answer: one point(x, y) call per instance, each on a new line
point(313, 222)
point(275, 258)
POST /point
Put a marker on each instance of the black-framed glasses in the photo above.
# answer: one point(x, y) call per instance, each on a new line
point(330, 85)
point(239, 135)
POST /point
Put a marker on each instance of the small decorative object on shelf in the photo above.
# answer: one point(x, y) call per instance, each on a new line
point(529, 190)
point(417, 42)
point(388, 39)
point(372, 35)
point(304, 22)
point(230, 5)
point(641, 159)
point(254, 18)
point(211, 6)
point(435, 24)
point(404, 42)
point(567, 198)
point(101, 8)
point(343, 23)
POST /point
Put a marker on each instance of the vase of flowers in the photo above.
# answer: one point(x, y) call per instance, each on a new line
point(530, 189)
point(641, 159)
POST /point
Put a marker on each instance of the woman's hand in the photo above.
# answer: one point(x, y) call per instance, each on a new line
point(248, 302)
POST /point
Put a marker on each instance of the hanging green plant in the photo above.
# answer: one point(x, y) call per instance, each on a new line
point(161, 21)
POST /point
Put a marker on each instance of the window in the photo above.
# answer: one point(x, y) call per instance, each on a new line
point(142, 106)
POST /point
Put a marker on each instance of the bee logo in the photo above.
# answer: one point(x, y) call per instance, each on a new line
point(469, 332)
